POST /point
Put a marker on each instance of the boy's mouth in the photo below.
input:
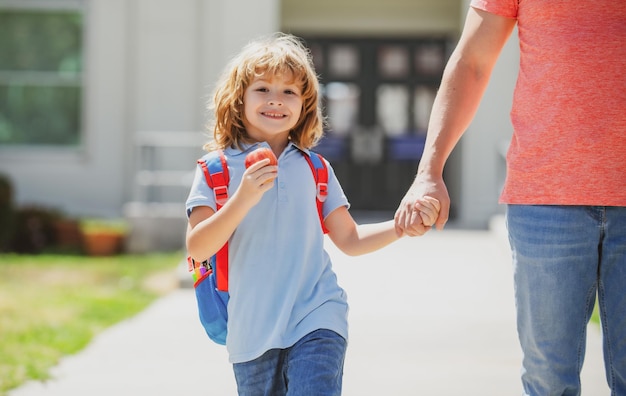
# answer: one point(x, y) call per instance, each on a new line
point(273, 115)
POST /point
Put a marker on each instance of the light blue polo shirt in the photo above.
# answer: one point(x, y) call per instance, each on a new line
point(281, 281)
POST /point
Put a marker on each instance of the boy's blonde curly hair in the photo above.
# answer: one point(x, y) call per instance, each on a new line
point(277, 54)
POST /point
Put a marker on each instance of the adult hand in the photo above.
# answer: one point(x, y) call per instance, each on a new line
point(407, 217)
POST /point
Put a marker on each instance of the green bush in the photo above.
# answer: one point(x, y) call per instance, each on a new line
point(34, 231)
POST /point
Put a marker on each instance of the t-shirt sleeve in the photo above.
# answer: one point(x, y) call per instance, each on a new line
point(505, 8)
point(200, 193)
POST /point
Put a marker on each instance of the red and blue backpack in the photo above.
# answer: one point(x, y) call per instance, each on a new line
point(211, 276)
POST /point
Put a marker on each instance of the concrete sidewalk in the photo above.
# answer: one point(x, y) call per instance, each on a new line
point(429, 316)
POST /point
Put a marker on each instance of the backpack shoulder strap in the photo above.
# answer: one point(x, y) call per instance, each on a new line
point(320, 174)
point(216, 174)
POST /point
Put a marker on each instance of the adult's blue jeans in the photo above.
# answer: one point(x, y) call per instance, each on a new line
point(312, 366)
point(563, 257)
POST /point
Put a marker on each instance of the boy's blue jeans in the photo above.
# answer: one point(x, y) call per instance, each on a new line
point(563, 256)
point(312, 366)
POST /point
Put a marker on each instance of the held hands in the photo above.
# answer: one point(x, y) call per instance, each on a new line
point(424, 214)
point(428, 208)
point(425, 204)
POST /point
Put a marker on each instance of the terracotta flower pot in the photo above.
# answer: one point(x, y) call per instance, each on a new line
point(102, 243)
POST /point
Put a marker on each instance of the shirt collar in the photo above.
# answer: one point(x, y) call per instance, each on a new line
point(249, 147)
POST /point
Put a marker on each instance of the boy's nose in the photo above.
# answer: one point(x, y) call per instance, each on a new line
point(274, 101)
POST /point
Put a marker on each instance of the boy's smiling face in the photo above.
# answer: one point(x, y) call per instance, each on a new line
point(272, 107)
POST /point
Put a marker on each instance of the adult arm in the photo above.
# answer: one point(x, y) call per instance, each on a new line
point(464, 81)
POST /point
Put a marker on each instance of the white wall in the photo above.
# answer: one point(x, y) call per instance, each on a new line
point(164, 52)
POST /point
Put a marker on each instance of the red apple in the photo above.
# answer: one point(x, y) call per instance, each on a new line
point(260, 154)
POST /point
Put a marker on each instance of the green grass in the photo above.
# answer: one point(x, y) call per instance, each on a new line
point(595, 315)
point(53, 305)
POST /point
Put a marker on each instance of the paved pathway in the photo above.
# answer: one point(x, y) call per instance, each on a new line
point(438, 322)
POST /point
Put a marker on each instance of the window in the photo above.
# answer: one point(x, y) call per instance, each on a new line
point(342, 103)
point(41, 52)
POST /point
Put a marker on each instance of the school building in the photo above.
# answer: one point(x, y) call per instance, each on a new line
point(102, 102)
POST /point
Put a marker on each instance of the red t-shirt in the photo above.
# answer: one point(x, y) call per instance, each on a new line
point(569, 105)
